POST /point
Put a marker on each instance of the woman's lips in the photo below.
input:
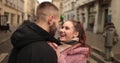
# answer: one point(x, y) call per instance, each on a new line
point(62, 35)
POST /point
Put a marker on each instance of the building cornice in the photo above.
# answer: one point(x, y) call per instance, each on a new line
point(83, 2)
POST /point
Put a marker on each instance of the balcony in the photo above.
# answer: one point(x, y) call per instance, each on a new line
point(106, 2)
point(8, 3)
point(83, 2)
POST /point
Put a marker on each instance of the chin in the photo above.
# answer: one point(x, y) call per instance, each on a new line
point(62, 39)
point(52, 32)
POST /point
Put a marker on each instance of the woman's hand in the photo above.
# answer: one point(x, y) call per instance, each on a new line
point(55, 47)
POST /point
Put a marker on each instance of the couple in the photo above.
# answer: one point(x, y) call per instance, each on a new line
point(35, 42)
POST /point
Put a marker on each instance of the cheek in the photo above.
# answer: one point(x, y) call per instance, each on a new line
point(67, 37)
point(56, 24)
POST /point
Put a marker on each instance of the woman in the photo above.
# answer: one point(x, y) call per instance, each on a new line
point(73, 48)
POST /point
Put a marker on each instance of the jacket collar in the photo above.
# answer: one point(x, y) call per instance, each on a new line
point(45, 35)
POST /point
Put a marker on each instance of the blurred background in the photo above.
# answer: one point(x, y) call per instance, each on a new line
point(93, 14)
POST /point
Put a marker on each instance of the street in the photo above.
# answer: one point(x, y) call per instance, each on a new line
point(5, 49)
point(94, 40)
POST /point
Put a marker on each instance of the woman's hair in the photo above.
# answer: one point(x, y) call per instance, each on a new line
point(79, 28)
point(82, 36)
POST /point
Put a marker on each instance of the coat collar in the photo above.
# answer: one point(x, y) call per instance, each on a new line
point(45, 35)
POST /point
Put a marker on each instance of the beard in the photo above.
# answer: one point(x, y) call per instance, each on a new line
point(53, 29)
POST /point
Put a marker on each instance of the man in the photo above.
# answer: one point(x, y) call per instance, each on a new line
point(30, 40)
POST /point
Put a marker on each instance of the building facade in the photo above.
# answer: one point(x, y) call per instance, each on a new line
point(93, 14)
point(59, 5)
point(69, 9)
point(30, 9)
point(36, 4)
point(11, 11)
point(0, 10)
point(115, 14)
point(87, 12)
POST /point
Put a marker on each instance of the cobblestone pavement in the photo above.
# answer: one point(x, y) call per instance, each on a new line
point(97, 41)
point(4, 36)
point(5, 45)
point(5, 48)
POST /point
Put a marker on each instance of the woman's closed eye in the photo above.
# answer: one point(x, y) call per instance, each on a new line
point(67, 28)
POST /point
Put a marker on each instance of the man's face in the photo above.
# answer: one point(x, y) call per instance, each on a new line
point(55, 25)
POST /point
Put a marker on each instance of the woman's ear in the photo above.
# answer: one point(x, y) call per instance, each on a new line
point(75, 37)
point(76, 34)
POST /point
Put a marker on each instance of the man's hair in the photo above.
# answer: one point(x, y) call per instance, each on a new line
point(46, 9)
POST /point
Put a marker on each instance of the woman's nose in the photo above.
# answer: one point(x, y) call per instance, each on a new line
point(61, 30)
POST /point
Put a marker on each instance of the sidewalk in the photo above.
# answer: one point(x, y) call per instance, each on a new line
point(97, 41)
point(5, 45)
point(4, 36)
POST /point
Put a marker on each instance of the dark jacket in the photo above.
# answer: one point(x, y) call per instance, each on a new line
point(30, 45)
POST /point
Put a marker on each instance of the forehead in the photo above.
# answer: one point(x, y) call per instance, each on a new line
point(68, 23)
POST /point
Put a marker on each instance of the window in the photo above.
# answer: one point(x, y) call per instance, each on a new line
point(18, 19)
point(12, 18)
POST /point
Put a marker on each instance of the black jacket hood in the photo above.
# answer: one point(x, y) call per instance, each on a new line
point(28, 33)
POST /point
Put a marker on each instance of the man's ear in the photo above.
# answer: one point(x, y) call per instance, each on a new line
point(50, 18)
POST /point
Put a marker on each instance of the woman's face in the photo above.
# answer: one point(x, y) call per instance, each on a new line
point(67, 31)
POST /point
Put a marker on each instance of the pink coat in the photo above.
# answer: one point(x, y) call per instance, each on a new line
point(74, 54)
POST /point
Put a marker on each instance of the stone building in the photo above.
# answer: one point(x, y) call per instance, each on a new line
point(15, 12)
point(69, 9)
point(93, 14)
point(30, 9)
point(115, 14)
point(11, 11)
point(59, 4)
